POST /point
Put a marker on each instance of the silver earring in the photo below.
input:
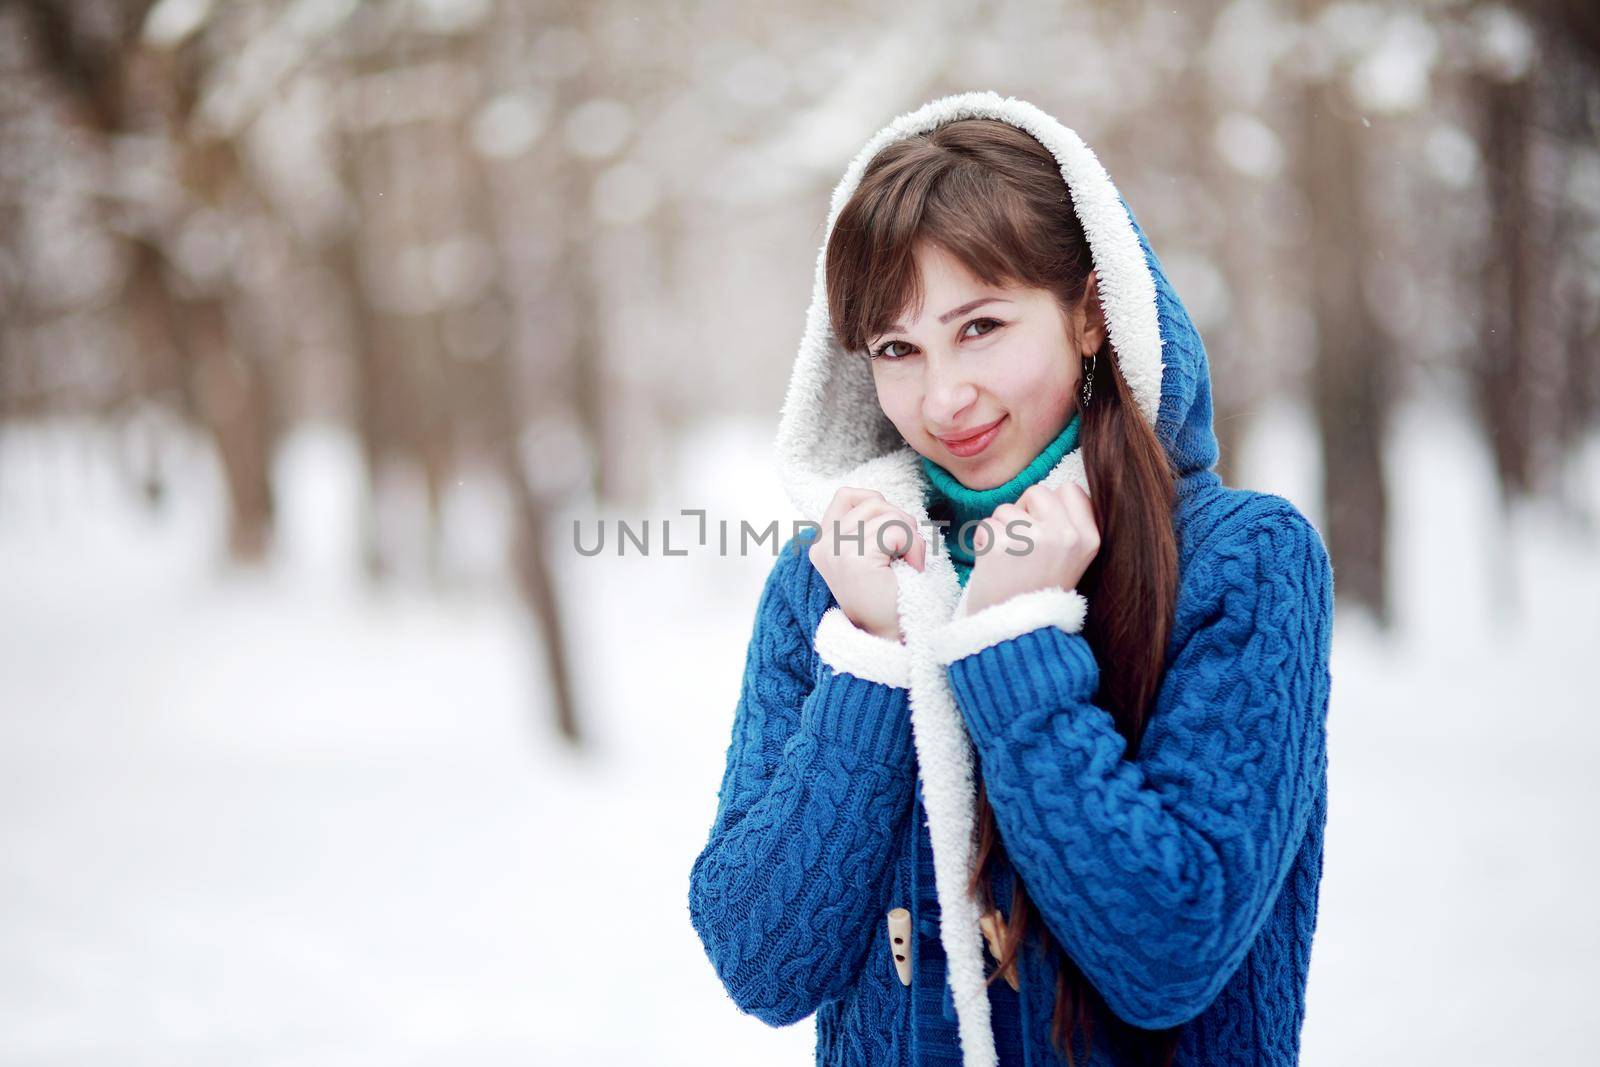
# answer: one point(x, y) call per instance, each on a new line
point(1087, 389)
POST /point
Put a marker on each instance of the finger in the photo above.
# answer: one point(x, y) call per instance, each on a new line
point(884, 535)
point(1045, 506)
point(865, 509)
point(847, 497)
point(1005, 519)
point(915, 552)
point(918, 555)
point(893, 532)
point(865, 512)
point(1079, 510)
point(997, 527)
point(858, 530)
point(981, 534)
point(850, 495)
point(852, 524)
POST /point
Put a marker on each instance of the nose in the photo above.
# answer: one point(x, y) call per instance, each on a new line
point(947, 391)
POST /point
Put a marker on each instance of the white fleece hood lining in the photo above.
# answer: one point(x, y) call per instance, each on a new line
point(832, 433)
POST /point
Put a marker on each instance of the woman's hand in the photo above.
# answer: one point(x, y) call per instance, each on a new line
point(1059, 523)
point(858, 570)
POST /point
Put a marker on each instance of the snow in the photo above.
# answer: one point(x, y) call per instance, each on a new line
point(280, 818)
point(171, 22)
point(1249, 145)
point(1392, 74)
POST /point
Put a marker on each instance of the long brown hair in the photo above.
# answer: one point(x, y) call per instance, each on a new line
point(994, 198)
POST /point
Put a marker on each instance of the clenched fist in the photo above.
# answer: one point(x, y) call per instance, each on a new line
point(1046, 539)
point(861, 535)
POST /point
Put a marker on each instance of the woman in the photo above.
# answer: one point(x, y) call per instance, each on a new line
point(1087, 732)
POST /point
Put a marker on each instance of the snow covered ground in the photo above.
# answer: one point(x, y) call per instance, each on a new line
point(277, 818)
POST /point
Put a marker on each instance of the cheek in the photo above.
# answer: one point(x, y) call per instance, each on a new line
point(1039, 376)
point(901, 399)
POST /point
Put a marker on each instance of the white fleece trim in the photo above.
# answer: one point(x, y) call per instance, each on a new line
point(946, 762)
point(849, 649)
point(1013, 617)
point(833, 433)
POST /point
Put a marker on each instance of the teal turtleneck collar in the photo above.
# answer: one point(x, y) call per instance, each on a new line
point(946, 498)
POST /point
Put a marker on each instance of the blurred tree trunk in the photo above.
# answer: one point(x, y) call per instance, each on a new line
point(1572, 80)
point(194, 328)
point(235, 402)
point(1574, 22)
point(370, 382)
point(1350, 386)
point(158, 370)
point(1504, 370)
point(362, 332)
point(504, 406)
point(1231, 340)
point(431, 374)
point(594, 384)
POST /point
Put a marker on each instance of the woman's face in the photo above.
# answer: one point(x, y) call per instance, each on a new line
point(975, 356)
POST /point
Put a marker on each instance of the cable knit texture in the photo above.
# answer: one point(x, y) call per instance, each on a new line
point(1159, 873)
point(1183, 880)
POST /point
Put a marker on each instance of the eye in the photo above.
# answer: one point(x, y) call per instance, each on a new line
point(882, 351)
point(994, 324)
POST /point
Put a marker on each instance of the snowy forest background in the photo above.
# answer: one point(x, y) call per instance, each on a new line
point(322, 321)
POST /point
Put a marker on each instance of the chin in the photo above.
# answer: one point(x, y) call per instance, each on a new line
point(986, 471)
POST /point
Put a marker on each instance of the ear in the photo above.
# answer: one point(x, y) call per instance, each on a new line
point(1091, 317)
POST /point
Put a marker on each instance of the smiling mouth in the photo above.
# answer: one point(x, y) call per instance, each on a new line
point(972, 444)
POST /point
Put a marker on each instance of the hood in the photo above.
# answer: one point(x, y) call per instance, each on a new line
point(832, 433)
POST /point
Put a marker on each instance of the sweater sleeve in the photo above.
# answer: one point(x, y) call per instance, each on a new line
point(1156, 873)
point(819, 776)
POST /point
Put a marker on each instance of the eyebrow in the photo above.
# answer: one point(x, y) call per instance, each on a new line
point(953, 312)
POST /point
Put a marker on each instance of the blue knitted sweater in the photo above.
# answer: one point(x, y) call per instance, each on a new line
point(1183, 881)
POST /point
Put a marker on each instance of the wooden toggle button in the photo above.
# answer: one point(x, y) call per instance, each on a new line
point(900, 942)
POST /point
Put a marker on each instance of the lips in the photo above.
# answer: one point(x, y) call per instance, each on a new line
point(973, 442)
